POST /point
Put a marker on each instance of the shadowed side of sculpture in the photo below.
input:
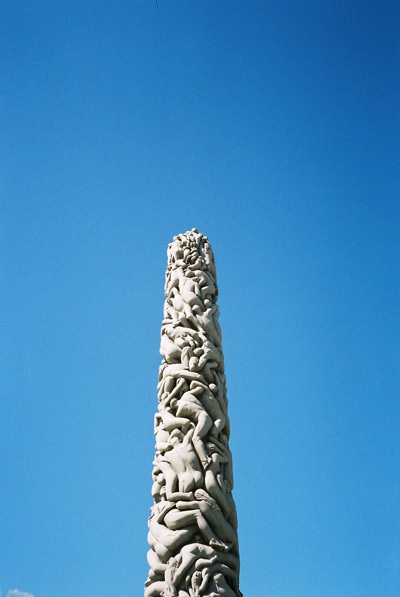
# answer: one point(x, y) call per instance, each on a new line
point(193, 525)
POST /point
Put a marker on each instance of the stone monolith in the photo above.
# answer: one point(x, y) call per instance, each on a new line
point(193, 526)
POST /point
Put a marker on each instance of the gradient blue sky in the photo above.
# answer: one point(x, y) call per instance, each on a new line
point(272, 127)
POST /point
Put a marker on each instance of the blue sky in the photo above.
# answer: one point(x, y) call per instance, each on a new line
point(273, 128)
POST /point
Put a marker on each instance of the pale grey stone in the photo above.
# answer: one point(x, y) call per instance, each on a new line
point(192, 534)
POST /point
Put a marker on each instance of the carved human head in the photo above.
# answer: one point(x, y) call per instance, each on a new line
point(176, 437)
point(211, 448)
point(174, 403)
point(197, 579)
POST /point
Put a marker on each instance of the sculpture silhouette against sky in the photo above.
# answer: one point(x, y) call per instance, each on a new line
point(193, 525)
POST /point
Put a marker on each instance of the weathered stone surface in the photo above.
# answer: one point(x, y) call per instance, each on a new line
point(193, 525)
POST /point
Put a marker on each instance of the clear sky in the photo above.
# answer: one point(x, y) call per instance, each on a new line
point(272, 127)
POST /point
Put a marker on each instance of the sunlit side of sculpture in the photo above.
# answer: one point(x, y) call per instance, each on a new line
point(193, 526)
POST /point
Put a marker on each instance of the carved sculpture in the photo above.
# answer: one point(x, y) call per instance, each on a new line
point(193, 525)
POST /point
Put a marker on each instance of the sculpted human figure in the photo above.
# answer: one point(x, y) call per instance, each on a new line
point(195, 557)
point(218, 573)
point(175, 346)
point(193, 352)
point(155, 589)
point(180, 466)
point(186, 345)
point(177, 333)
point(220, 395)
point(172, 388)
point(189, 289)
point(174, 251)
point(165, 541)
point(208, 321)
point(217, 486)
point(189, 406)
point(209, 258)
point(172, 279)
point(179, 312)
point(220, 588)
point(206, 284)
point(177, 519)
point(170, 350)
point(158, 482)
point(157, 568)
point(212, 406)
point(199, 582)
point(210, 358)
point(168, 375)
point(222, 444)
point(210, 353)
point(161, 434)
point(170, 421)
point(185, 312)
point(213, 515)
